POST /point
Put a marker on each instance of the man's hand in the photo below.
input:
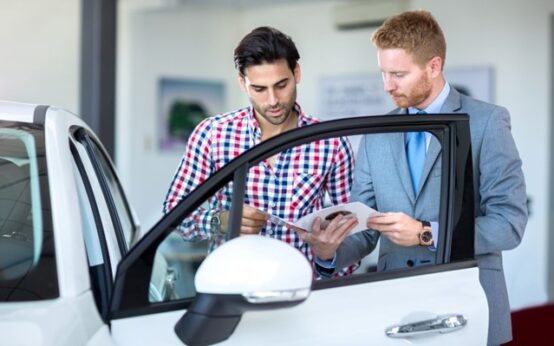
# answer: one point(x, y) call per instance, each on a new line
point(325, 239)
point(399, 228)
point(251, 223)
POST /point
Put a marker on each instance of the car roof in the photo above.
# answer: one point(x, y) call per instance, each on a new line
point(16, 111)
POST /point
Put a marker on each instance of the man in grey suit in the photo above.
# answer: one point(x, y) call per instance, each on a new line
point(411, 53)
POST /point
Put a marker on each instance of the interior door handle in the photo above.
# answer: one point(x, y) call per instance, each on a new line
point(441, 324)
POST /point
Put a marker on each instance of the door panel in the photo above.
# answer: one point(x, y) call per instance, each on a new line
point(359, 314)
point(356, 309)
point(347, 315)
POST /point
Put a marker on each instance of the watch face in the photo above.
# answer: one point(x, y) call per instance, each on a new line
point(426, 237)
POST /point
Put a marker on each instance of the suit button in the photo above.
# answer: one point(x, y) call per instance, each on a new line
point(410, 263)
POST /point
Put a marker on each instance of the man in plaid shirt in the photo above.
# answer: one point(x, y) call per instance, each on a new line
point(290, 184)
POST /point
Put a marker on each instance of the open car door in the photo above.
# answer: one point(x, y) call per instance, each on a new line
point(176, 288)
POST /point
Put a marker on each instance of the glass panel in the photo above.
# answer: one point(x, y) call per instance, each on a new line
point(297, 182)
point(386, 165)
point(20, 204)
point(183, 250)
point(320, 178)
point(27, 252)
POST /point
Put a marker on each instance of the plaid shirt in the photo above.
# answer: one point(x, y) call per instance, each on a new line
point(295, 186)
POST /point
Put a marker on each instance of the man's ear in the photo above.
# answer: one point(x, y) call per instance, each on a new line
point(435, 66)
point(297, 73)
point(242, 83)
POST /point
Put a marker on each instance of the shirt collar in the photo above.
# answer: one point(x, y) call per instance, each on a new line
point(436, 105)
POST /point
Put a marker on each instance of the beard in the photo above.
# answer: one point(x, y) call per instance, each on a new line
point(416, 96)
point(287, 108)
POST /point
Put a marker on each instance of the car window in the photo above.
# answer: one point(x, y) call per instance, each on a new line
point(180, 254)
point(295, 184)
point(27, 253)
point(324, 177)
point(295, 175)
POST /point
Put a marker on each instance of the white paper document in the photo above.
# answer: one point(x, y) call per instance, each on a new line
point(358, 209)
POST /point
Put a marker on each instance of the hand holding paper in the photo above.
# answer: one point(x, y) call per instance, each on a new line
point(350, 210)
point(325, 229)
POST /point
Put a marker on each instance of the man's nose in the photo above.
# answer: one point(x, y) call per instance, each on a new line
point(272, 98)
point(389, 85)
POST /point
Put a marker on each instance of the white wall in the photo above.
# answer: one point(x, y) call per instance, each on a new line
point(161, 44)
point(39, 59)
point(509, 35)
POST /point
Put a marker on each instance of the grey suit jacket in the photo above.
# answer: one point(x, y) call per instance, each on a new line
point(382, 181)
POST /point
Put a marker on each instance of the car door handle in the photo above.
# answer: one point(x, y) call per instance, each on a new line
point(441, 324)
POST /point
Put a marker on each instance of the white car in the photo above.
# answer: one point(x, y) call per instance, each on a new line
point(75, 270)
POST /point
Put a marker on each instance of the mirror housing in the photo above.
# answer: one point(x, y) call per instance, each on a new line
point(246, 273)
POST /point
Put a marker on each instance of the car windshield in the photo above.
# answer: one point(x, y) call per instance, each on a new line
point(25, 225)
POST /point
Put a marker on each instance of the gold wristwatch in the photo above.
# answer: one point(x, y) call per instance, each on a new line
point(426, 235)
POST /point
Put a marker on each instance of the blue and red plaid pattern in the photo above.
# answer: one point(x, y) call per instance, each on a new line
point(295, 186)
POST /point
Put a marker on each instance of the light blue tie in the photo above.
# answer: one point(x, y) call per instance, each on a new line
point(416, 151)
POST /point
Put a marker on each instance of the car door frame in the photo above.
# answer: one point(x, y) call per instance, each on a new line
point(103, 276)
point(130, 294)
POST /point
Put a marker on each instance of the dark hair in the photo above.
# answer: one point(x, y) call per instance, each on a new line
point(265, 45)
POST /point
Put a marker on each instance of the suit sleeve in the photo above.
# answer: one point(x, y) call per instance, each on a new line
point(502, 212)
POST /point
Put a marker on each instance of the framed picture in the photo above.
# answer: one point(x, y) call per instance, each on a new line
point(183, 104)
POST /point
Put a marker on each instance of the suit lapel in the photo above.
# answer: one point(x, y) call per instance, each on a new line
point(451, 105)
point(398, 147)
point(453, 102)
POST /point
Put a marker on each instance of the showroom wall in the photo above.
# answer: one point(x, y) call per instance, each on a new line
point(39, 62)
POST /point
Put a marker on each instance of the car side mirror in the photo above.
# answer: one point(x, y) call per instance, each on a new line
point(246, 273)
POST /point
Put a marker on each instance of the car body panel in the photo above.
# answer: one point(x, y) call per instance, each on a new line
point(16, 111)
point(73, 318)
point(71, 254)
point(63, 321)
point(339, 316)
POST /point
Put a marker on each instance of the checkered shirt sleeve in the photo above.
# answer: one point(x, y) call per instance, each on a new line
point(195, 167)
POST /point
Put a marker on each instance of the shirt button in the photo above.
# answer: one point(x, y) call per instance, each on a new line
point(410, 263)
point(270, 232)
